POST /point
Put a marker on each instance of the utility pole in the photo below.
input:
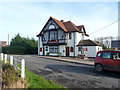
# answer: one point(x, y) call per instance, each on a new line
point(8, 39)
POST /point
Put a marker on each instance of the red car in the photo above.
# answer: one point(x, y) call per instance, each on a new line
point(107, 60)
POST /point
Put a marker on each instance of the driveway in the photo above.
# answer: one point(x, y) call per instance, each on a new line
point(70, 75)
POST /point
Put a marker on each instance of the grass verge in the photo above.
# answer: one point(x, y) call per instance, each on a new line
point(36, 81)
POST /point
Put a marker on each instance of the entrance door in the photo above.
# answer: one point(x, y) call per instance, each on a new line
point(43, 51)
point(67, 51)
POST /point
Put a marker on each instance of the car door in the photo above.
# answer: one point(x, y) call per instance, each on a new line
point(108, 61)
point(116, 57)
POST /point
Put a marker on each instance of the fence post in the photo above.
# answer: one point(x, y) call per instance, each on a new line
point(1, 56)
point(11, 60)
point(23, 68)
point(5, 58)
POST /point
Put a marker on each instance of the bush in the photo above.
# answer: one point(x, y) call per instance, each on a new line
point(9, 75)
point(14, 50)
point(59, 54)
point(47, 54)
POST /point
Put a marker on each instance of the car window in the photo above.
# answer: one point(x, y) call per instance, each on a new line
point(106, 55)
point(116, 55)
point(99, 54)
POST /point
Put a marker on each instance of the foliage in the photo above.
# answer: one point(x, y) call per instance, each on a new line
point(9, 75)
point(47, 53)
point(14, 50)
point(103, 45)
point(59, 54)
point(30, 45)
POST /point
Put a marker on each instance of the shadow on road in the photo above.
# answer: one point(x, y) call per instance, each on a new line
point(88, 70)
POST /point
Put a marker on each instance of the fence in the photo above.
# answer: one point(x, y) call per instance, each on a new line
point(13, 62)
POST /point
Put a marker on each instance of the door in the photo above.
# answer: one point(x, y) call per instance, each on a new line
point(67, 51)
point(43, 51)
point(108, 61)
point(116, 57)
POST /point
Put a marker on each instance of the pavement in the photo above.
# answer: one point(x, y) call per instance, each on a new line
point(72, 59)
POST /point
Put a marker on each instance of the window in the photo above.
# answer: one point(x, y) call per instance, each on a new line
point(69, 35)
point(99, 54)
point(40, 49)
point(107, 55)
point(46, 48)
point(51, 27)
point(116, 55)
point(53, 35)
point(71, 49)
point(79, 48)
point(53, 49)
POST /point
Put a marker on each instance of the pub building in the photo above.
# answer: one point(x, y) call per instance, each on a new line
point(64, 38)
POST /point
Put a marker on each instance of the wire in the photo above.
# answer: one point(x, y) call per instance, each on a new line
point(104, 27)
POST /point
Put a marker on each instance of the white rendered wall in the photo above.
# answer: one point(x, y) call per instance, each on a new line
point(92, 50)
point(61, 49)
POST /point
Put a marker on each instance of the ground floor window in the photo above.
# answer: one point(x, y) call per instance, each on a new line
point(53, 49)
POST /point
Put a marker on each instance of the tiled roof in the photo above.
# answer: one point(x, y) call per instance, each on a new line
point(87, 43)
point(69, 26)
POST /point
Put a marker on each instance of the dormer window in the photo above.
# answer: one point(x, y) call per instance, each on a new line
point(51, 27)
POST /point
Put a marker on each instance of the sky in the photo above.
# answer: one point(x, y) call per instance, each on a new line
point(28, 18)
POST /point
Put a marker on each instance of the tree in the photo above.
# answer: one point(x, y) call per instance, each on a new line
point(29, 44)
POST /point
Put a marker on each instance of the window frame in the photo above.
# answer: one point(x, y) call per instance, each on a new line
point(53, 49)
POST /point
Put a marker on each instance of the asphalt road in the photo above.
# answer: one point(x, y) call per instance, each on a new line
point(70, 75)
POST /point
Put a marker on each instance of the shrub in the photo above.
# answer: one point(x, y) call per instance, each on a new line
point(9, 75)
point(47, 54)
point(14, 50)
point(59, 54)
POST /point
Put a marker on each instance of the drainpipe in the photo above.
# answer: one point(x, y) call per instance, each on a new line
point(74, 43)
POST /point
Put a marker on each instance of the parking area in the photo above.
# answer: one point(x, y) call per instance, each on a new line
point(70, 74)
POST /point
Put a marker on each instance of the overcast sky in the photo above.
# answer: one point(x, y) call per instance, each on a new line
point(28, 18)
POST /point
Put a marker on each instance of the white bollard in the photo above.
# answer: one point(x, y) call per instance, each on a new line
point(5, 58)
point(23, 68)
point(1, 56)
point(11, 60)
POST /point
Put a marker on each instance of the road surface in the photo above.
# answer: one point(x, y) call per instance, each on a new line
point(70, 75)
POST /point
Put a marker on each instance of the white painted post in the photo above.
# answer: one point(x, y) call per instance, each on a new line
point(23, 68)
point(5, 58)
point(1, 56)
point(11, 60)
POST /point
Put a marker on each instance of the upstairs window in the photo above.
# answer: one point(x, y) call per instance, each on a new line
point(53, 35)
point(51, 27)
point(69, 35)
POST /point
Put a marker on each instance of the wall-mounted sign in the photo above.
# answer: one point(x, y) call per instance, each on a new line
point(52, 42)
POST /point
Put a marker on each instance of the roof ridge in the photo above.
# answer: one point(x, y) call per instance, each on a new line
point(74, 26)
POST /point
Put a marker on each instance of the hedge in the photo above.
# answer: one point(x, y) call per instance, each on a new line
point(14, 50)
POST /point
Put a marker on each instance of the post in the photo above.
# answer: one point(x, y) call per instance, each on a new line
point(1, 56)
point(23, 68)
point(11, 60)
point(5, 58)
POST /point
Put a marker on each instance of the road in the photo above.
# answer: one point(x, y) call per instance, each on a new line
point(70, 75)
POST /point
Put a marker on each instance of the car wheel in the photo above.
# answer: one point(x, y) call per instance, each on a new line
point(99, 67)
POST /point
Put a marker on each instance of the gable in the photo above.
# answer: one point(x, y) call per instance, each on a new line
point(50, 25)
point(68, 26)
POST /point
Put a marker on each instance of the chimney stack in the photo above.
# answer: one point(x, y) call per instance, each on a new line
point(62, 20)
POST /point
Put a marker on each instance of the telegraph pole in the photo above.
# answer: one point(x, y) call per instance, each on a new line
point(8, 39)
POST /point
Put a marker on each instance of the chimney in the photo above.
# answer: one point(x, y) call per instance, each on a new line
point(62, 20)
